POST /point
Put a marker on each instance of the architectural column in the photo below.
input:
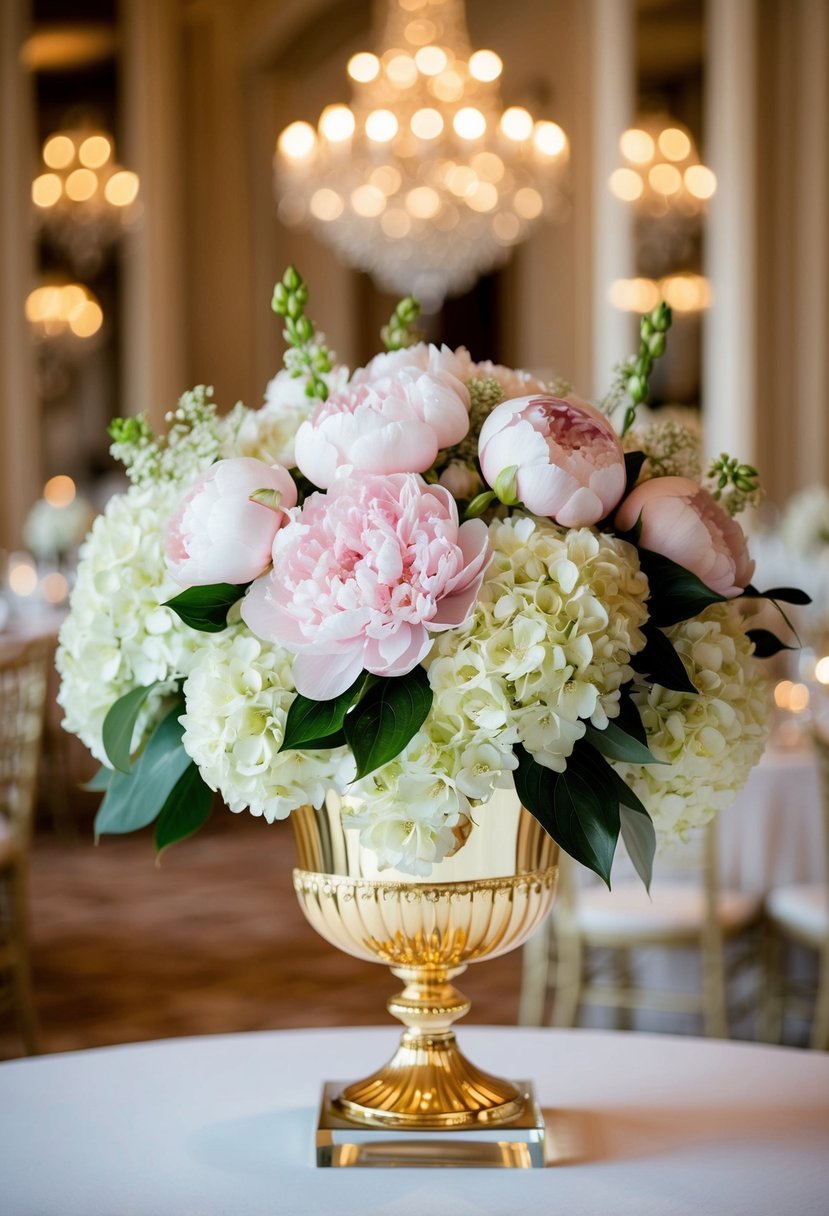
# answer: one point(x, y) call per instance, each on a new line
point(154, 365)
point(730, 326)
point(20, 471)
point(613, 72)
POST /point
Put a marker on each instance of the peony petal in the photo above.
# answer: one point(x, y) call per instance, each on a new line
point(320, 677)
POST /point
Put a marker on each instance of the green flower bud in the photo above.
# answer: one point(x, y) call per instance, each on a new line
point(292, 278)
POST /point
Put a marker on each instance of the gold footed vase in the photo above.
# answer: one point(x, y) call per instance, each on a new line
point(484, 900)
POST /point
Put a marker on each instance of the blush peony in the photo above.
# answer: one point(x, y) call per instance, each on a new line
point(363, 575)
point(217, 535)
point(393, 424)
point(570, 466)
point(682, 521)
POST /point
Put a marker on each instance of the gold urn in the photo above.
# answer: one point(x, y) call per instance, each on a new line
point(486, 899)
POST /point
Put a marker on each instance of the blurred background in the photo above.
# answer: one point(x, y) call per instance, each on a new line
point(539, 174)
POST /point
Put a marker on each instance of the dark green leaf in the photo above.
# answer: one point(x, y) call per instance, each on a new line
point(578, 808)
point(639, 839)
point(100, 781)
point(133, 800)
point(633, 467)
point(766, 643)
point(676, 593)
point(789, 595)
point(187, 809)
point(391, 712)
point(616, 744)
point(629, 718)
point(119, 726)
point(660, 663)
point(337, 739)
point(315, 720)
point(206, 608)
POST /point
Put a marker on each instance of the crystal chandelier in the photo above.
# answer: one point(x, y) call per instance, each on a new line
point(82, 198)
point(425, 180)
point(662, 170)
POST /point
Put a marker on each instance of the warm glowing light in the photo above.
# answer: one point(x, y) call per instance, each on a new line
point(637, 146)
point(507, 227)
point(431, 60)
point(363, 67)
point(59, 491)
point(483, 197)
point(782, 693)
point(297, 141)
point(469, 123)
point(418, 33)
point(381, 126)
point(58, 152)
point(122, 188)
point(461, 180)
point(326, 204)
point(386, 178)
point(46, 190)
point(674, 144)
point(528, 203)
point(423, 202)
point(822, 670)
point(700, 181)
point(488, 166)
point(402, 71)
point(427, 123)
point(798, 698)
point(395, 223)
point(686, 292)
point(634, 295)
point(22, 578)
point(54, 588)
point(336, 123)
point(368, 201)
point(517, 123)
point(549, 138)
point(86, 320)
point(626, 184)
point(448, 86)
point(81, 184)
point(95, 151)
point(665, 179)
point(485, 66)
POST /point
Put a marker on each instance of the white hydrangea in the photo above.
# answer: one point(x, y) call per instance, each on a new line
point(118, 634)
point(711, 740)
point(237, 697)
point(268, 433)
point(672, 449)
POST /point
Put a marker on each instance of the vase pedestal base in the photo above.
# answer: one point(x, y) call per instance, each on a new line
point(516, 1144)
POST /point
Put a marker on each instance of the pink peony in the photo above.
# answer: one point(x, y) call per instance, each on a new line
point(394, 424)
point(436, 360)
point(570, 464)
point(361, 577)
point(682, 521)
point(217, 535)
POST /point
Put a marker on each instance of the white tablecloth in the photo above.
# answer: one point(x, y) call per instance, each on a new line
point(222, 1126)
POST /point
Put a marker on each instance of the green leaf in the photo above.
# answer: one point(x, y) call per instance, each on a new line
point(676, 593)
point(789, 595)
point(617, 744)
point(310, 722)
point(206, 608)
point(633, 467)
point(660, 663)
point(187, 808)
point(267, 497)
point(639, 839)
point(119, 725)
point(389, 715)
point(578, 808)
point(134, 799)
point(766, 643)
point(100, 781)
point(629, 718)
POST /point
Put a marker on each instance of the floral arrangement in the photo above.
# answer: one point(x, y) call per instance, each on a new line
point(412, 585)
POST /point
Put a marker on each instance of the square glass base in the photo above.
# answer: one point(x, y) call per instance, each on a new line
point(515, 1145)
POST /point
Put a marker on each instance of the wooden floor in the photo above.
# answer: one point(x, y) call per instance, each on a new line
point(210, 941)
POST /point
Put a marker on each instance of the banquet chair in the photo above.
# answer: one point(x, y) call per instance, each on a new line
point(688, 912)
point(23, 684)
point(799, 912)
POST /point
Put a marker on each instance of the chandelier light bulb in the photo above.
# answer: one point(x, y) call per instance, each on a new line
point(363, 67)
point(488, 166)
point(528, 203)
point(427, 123)
point(58, 152)
point(469, 123)
point(122, 188)
point(637, 146)
point(423, 202)
point(665, 179)
point(485, 66)
point(517, 123)
point(46, 190)
point(549, 139)
point(95, 151)
point(381, 126)
point(482, 197)
point(336, 123)
point(700, 181)
point(402, 71)
point(626, 184)
point(431, 60)
point(298, 141)
point(448, 86)
point(326, 205)
point(674, 144)
point(368, 201)
point(81, 184)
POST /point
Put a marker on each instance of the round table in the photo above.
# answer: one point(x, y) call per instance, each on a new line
point(224, 1125)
